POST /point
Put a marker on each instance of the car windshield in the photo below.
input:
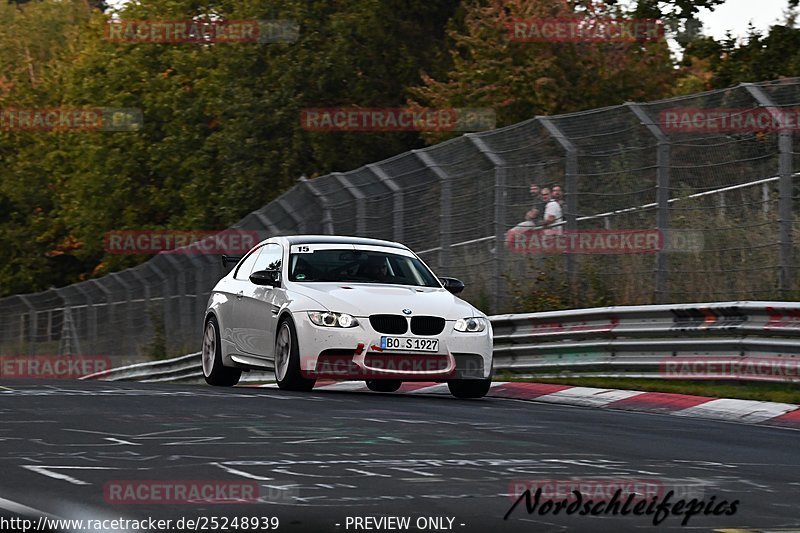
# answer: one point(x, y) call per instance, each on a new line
point(359, 266)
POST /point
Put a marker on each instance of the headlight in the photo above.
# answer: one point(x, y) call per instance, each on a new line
point(470, 325)
point(332, 320)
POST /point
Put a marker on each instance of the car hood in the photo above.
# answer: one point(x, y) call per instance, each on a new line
point(360, 299)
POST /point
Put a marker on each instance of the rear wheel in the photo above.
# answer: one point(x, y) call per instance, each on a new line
point(383, 385)
point(469, 388)
point(287, 360)
point(213, 370)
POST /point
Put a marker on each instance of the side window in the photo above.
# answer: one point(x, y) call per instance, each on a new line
point(271, 258)
point(246, 267)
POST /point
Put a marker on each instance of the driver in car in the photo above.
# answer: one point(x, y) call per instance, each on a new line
point(377, 269)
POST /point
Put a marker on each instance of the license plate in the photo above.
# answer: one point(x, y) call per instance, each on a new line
point(409, 344)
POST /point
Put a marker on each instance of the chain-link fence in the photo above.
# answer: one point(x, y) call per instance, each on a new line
point(722, 191)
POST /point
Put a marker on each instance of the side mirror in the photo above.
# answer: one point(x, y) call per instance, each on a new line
point(453, 285)
point(226, 259)
point(271, 278)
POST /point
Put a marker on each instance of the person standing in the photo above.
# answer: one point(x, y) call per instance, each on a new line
point(541, 197)
point(553, 214)
point(535, 212)
point(558, 195)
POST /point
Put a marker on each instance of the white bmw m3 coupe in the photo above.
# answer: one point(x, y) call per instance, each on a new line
point(344, 308)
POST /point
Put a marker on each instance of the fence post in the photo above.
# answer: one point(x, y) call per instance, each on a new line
point(126, 316)
point(662, 201)
point(445, 201)
point(500, 192)
point(95, 328)
point(397, 200)
point(67, 345)
point(201, 264)
point(176, 324)
point(299, 223)
point(785, 172)
point(32, 325)
point(570, 188)
point(268, 225)
point(327, 220)
point(7, 342)
point(91, 318)
point(358, 196)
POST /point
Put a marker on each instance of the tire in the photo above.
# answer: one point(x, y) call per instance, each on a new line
point(213, 370)
point(469, 388)
point(287, 359)
point(383, 385)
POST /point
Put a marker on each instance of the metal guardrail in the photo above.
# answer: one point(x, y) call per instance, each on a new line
point(184, 369)
point(724, 340)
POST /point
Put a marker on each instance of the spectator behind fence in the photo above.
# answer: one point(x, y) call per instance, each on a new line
point(540, 199)
point(553, 214)
point(557, 194)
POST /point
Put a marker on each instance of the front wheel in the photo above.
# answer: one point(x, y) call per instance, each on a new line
point(469, 388)
point(383, 385)
point(287, 360)
point(213, 370)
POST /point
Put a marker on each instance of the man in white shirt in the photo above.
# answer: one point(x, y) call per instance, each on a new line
point(553, 215)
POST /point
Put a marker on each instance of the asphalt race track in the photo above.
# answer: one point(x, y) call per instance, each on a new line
point(339, 461)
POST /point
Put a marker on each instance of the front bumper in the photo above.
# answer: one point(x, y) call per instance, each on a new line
point(354, 353)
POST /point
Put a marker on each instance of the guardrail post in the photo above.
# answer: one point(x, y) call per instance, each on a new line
point(570, 188)
point(445, 201)
point(397, 200)
point(327, 219)
point(500, 193)
point(662, 201)
point(358, 196)
point(785, 260)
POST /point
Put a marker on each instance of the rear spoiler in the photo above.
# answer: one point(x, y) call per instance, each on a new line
point(231, 259)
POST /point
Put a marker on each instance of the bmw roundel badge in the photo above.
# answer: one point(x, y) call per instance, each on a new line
point(406, 311)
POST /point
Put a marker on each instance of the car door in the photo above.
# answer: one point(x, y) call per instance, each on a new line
point(257, 311)
point(236, 286)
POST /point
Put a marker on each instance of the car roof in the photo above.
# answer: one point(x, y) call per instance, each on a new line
point(335, 239)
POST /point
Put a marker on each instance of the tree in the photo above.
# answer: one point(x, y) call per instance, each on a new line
point(222, 133)
point(524, 79)
point(760, 57)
